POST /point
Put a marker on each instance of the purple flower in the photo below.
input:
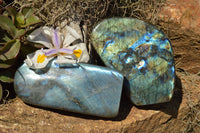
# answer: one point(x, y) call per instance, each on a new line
point(58, 44)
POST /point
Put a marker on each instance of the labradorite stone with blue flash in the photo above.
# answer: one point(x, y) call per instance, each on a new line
point(142, 53)
point(83, 88)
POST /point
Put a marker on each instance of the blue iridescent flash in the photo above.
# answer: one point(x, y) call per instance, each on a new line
point(142, 53)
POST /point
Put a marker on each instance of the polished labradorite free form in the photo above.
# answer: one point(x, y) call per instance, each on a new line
point(86, 89)
point(142, 53)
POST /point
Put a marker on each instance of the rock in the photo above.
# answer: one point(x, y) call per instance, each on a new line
point(85, 88)
point(181, 21)
point(175, 116)
point(181, 114)
point(184, 12)
point(142, 53)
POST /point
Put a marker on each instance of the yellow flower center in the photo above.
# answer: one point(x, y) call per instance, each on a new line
point(41, 58)
point(77, 53)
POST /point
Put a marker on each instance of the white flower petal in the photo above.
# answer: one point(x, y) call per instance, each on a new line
point(44, 36)
point(70, 35)
point(32, 60)
point(48, 31)
point(65, 59)
point(41, 35)
point(72, 58)
point(84, 56)
point(28, 61)
point(73, 32)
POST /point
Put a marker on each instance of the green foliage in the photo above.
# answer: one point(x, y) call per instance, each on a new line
point(13, 25)
point(10, 50)
point(6, 24)
point(6, 63)
point(7, 76)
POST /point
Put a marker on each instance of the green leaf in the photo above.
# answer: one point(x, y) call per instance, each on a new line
point(12, 12)
point(19, 33)
point(27, 11)
point(7, 24)
point(7, 75)
point(5, 13)
point(10, 50)
point(6, 38)
point(1, 92)
point(31, 20)
point(20, 19)
point(7, 63)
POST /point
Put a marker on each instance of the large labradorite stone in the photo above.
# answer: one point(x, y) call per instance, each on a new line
point(86, 89)
point(142, 53)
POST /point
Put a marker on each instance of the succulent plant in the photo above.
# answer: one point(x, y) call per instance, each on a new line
point(13, 25)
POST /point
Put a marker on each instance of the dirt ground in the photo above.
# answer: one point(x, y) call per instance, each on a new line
point(181, 114)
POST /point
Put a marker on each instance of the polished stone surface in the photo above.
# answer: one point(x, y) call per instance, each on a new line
point(142, 53)
point(83, 88)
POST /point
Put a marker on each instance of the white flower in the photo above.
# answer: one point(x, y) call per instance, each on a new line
point(58, 44)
